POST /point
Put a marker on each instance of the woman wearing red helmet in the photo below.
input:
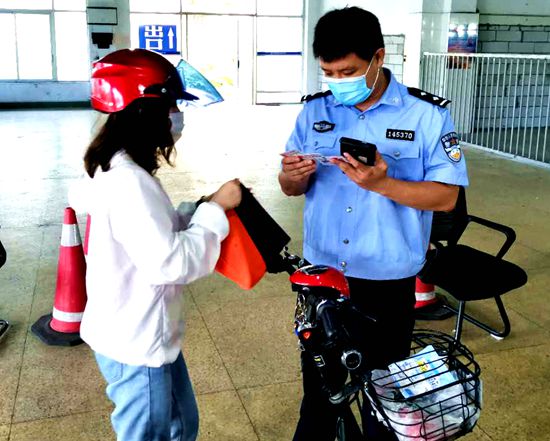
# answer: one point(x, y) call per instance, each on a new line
point(142, 250)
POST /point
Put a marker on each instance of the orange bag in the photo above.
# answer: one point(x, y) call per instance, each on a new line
point(240, 260)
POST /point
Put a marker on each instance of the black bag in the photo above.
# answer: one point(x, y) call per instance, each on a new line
point(267, 235)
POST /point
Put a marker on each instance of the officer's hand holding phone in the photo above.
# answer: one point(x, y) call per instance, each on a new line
point(364, 152)
point(370, 177)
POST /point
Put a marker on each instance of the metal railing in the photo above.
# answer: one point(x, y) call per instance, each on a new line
point(500, 101)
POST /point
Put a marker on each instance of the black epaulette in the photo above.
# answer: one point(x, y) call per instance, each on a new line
point(308, 98)
point(429, 97)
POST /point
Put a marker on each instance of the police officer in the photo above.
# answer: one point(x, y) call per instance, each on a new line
point(372, 222)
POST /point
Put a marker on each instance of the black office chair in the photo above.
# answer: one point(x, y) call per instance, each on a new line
point(469, 274)
point(4, 325)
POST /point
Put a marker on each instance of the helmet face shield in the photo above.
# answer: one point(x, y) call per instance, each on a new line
point(201, 90)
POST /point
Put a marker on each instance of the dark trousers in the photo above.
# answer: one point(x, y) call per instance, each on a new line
point(391, 303)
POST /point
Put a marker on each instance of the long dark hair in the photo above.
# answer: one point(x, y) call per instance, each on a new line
point(142, 129)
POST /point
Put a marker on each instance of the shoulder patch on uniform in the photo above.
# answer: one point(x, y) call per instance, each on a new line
point(308, 98)
point(451, 145)
point(429, 97)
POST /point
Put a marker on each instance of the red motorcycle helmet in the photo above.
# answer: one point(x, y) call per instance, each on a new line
point(321, 276)
point(125, 75)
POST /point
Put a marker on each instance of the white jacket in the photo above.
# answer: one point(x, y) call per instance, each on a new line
point(140, 253)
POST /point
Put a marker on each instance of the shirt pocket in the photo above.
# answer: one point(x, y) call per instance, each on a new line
point(322, 143)
point(404, 162)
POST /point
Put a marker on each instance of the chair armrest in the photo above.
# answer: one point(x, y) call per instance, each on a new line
point(507, 231)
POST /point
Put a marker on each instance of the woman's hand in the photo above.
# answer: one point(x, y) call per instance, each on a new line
point(228, 195)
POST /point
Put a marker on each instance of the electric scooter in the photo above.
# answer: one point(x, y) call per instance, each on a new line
point(435, 394)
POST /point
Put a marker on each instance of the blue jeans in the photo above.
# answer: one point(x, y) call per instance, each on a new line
point(151, 404)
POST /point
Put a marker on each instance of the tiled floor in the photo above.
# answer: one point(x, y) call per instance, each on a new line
point(239, 345)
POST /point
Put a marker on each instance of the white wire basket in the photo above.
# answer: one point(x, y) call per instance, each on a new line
point(433, 395)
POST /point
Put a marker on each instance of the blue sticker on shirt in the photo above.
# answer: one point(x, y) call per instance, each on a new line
point(451, 145)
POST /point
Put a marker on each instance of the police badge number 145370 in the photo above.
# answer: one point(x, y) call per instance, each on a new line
point(321, 159)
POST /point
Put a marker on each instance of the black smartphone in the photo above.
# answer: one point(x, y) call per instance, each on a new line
point(364, 152)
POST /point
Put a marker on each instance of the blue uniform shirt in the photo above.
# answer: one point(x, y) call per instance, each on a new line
point(358, 231)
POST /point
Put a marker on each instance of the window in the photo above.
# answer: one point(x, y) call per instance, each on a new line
point(8, 55)
point(250, 49)
point(26, 51)
point(71, 42)
point(69, 5)
point(280, 7)
point(152, 6)
point(34, 50)
point(279, 34)
point(219, 6)
point(35, 5)
point(279, 59)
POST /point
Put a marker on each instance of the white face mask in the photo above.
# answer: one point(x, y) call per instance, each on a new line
point(177, 125)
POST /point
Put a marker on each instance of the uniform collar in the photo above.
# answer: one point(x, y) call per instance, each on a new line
point(391, 96)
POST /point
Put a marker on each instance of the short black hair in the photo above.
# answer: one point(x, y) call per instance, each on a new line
point(341, 32)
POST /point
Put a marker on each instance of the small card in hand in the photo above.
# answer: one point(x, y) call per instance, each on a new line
point(314, 156)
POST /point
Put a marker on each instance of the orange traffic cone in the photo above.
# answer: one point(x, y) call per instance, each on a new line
point(428, 305)
point(425, 294)
point(62, 327)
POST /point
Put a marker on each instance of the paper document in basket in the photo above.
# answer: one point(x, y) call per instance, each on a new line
point(435, 416)
point(422, 372)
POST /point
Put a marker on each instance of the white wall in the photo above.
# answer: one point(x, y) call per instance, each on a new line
point(393, 14)
point(514, 7)
point(312, 10)
point(44, 91)
point(397, 17)
point(423, 22)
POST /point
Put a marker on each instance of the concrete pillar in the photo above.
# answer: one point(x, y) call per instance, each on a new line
point(121, 31)
point(428, 30)
point(430, 20)
point(312, 13)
